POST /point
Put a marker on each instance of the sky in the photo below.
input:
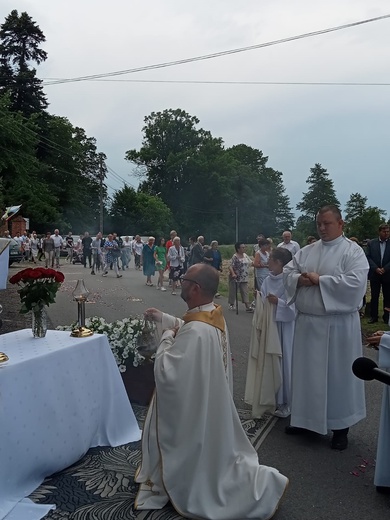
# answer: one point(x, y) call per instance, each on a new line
point(344, 128)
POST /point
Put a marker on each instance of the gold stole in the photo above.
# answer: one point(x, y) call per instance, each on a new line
point(215, 319)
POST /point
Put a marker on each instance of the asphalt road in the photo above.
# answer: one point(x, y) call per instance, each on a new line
point(324, 484)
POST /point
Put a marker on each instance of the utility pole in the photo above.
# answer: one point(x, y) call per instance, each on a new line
point(236, 223)
point(101, 177)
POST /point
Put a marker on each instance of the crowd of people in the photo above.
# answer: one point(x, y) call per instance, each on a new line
point(305, 336)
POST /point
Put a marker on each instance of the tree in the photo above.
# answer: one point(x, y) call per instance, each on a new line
point(17, 144)
point(321, 192)
point(203, 183)
point(362, 221)
point(170, 141)
point(264, 205)
point(20, 39)
point(139, 213)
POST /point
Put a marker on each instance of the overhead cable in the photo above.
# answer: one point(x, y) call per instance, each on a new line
point(217, 54)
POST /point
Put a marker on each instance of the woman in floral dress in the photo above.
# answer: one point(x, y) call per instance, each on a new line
point(239, 276)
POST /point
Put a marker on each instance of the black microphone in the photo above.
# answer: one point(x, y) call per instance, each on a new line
point(367, 369)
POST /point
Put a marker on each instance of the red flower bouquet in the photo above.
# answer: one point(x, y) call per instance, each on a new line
point(38, 287)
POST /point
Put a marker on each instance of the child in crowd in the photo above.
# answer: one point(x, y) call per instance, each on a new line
point(273, 290)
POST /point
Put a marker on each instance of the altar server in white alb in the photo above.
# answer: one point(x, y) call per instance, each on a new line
point(327, 281)
point(195, 452)
point(284, 315)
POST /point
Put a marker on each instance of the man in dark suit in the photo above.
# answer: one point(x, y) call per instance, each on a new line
point(378, 255)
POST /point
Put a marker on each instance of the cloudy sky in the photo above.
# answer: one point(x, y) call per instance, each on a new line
point(345, 128)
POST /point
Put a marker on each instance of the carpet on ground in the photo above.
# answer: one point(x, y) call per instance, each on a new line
point(101, 485)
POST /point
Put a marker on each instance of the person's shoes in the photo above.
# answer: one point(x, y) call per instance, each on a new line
point(105, 273)
point(119, 276)
point(92, 272)
point(373, 320)
point(294, 430)
point(249, 309)
point(282, 411)
point(158, 287)
point(217, 295)
point(231, 307)
point(163, 289)
point(173, 293)
point(340, 439)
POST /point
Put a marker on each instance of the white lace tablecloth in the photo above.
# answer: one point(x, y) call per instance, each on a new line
point(59, 396)
point(382, 465)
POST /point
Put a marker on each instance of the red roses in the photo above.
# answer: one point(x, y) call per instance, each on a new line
point(38, 287)
point(35, 274)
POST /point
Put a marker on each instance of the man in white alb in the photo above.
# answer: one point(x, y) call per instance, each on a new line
point(327, 281)
point(195, 452)
point(289, 244)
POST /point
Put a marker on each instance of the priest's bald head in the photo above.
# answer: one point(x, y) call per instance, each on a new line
point(199, 285)
point(329, 223)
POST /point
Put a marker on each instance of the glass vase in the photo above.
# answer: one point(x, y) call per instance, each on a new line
point(39, 322)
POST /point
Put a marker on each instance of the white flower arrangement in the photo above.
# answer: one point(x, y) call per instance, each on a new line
point(126, 338)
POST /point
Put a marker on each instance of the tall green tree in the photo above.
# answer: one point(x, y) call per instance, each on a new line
point(20, 40)
point(321, 192)
point(182, 164)
point(264, 205)
point(140, 213)
point(72, 166)
point(203, 183)
point(362, 221)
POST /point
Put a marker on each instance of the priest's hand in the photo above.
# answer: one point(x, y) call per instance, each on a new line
point(314, 278)
point(153, 314)
point(304, 281)
point(375, 339)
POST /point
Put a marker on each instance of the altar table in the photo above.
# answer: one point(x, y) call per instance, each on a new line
point(59, 396)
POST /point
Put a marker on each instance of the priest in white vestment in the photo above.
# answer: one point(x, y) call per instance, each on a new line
point(327, 281)
point(195, 452)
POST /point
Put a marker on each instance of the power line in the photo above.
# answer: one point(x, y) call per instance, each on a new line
point(211, 82)
point(217, 54)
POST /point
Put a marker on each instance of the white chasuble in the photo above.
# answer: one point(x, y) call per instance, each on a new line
point(264, 377)
point(195, 452)
point(327, 339)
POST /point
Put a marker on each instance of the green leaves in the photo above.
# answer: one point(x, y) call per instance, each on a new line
point(139, 211)
point(202, 182)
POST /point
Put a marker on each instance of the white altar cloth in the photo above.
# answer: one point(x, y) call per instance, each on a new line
point(382, 465)
point(59, 396)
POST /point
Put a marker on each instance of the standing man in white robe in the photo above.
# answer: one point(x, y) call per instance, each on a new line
point(195, 452)
point(327, 281)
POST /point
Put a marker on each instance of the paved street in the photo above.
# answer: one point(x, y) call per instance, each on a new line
point(324, 484)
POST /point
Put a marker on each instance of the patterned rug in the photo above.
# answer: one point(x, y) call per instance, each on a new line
point(101, 485)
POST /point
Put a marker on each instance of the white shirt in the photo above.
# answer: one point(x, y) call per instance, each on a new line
point(58, 240)
point(292, 246)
